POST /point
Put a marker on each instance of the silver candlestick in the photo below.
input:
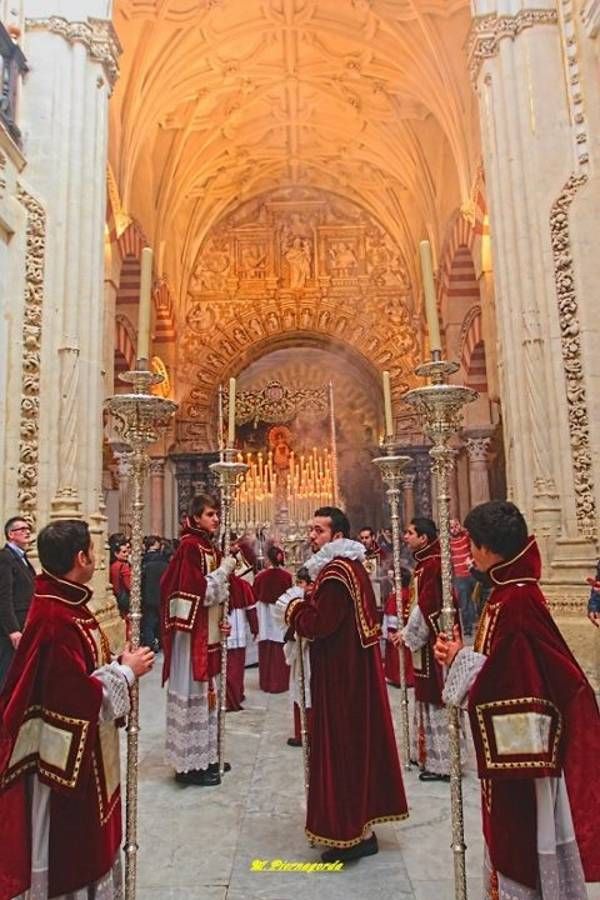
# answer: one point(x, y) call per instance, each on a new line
point(440, 406)
point(392, 467)
point(229, 470)
point(137, 417)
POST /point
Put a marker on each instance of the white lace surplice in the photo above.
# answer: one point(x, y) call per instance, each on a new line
point(192, 728)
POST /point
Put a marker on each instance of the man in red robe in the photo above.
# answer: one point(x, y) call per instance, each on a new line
point(242, 611)
point(269, 585)
point(353, 740)
point(390, 627)
point(60, 804)
point(534, 720)
point(193, 589)
point(429, 735)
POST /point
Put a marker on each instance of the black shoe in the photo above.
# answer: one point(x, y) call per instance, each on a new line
point(432, 776)
point(201, 777)
point(294, 742)
point(214, 767)
point(368, 847)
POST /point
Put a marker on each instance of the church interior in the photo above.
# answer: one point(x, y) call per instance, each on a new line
point(264, 173)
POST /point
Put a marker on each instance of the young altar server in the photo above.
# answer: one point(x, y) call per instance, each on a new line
point(273, 672)
point(242, 611)
point(291, 649)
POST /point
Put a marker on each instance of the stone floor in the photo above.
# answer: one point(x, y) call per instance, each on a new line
point(201, 842)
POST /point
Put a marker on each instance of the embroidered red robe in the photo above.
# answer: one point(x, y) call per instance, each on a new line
point(427, 586)
point(352, 740)
point(392, 662)
point(49, 727)
point(183, 589)
point(533, 715)
point(242, 609)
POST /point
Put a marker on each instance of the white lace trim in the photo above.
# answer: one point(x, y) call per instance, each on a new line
point(192, 732)
point(430, 742)
point(115, 691)
point(464, 670)
point(342, 547)
point(416, 631)
point(217, 588)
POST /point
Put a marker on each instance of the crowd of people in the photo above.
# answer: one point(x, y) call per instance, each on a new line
point(332, 636)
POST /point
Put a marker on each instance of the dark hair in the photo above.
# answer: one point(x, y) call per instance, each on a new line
point(275, 555)
point(425, 527)
point(339, 519)
point(10, 522)
point(201, 502)
point(151, 539)
point(59, 543)
point(498, 525)
point(366, 528)
point(303, 574)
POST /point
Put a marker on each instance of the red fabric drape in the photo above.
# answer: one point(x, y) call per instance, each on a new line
point(273, 671)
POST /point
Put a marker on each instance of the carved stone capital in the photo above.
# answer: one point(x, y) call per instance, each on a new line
point(488, 31)
point(97, 35)
point(478, 449)
point(157, 467)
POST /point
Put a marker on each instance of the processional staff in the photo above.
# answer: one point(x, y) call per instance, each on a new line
point(229, 470)
point(137, 417)
point(440, 407)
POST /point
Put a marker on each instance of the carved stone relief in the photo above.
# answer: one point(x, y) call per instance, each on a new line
point(487, 32)
point(97, 35)
point(293, 261)
point(35, 251)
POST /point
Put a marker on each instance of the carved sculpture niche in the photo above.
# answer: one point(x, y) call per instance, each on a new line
point(295, 263)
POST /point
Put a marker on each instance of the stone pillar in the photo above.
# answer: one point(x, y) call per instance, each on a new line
point(409, 497)
point(123, 478)
point(157, 495)
point(477, 447)
point(72, 59)
point(536, 155)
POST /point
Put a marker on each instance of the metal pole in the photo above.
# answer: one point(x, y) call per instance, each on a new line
point(304, 717)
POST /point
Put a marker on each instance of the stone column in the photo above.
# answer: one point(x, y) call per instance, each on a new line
point(123, 478)
point(409, 497)
point(477, 447)
point(72, 60)
point(157, 495)
point(536, 155)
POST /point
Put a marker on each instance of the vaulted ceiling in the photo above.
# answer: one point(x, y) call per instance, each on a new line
point(220, 100)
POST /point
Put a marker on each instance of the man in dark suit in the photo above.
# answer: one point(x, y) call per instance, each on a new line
point(16, 589)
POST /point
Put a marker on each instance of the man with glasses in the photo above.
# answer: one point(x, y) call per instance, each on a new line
point(16, 589)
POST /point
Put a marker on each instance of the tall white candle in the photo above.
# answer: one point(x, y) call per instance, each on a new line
point(387, 404)
point(431, 314)
point(145, 306)
point(231, 431)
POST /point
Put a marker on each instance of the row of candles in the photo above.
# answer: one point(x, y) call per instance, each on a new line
point(306, 485)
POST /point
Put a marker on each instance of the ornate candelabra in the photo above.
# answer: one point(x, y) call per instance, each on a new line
point(137, 417)
point(440, 405)
point(229, 469)
point(392, 467)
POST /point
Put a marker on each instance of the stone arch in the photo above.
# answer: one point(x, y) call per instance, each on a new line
point(125, 341)
point(472, 355)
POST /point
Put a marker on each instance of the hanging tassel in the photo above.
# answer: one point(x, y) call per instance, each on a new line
point(212, 696)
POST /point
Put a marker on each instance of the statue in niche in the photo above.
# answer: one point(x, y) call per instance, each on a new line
point(297, 253)
point(343, 259)
point(384, 263)
point(253, 262)
point(272, 322)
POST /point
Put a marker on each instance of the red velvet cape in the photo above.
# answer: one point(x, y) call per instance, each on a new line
point(241, 596)
point(185, 580)
point(531, 671)
point(271, 583)
point(50, 681)
point(427, 585)
point(355, 775)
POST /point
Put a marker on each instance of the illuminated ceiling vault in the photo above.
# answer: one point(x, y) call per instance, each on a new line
point(219, 100)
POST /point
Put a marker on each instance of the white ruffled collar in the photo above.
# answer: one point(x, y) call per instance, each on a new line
point(343, 547)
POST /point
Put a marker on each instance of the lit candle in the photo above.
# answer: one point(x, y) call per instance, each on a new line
point(431, 314)
point(145, 306)
point(387, 404)
point(231, 431)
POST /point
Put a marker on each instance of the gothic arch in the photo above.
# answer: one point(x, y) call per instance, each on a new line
point(125, 341)
point(472, 356)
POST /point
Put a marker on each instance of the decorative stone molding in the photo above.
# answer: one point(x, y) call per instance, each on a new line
point(27, 478)
point(478, 450)
point(564, 277)
point(488, 31)
point(573, 81)
point(2, 177)
point(97, 35)
point(590, 16)
point(156, 468)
